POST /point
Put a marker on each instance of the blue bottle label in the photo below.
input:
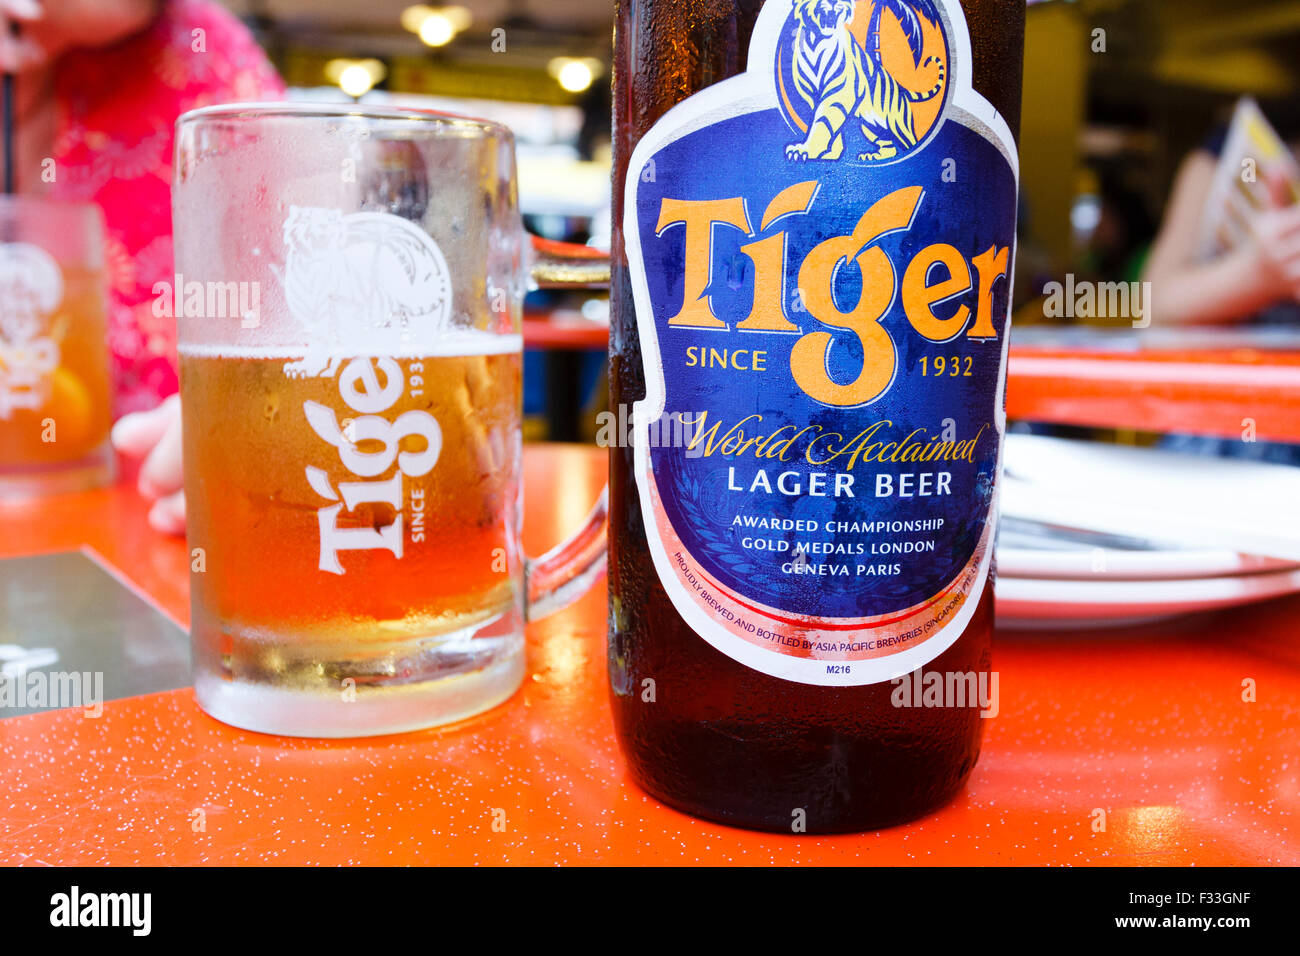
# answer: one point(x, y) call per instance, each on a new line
point(821, 251)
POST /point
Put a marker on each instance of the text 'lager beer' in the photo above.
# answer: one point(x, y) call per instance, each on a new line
point(815, 206)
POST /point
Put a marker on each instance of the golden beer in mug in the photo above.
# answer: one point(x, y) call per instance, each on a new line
point(428, 549)
point(55, 390)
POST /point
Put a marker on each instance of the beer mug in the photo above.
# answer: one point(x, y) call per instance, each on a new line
point(55, 404)
point(349, 295)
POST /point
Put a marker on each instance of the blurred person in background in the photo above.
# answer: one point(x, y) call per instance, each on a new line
point(99, 86)
point(1258, 282)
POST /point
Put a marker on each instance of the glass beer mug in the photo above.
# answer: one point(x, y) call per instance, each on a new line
point(349, 297)
point(55, 391)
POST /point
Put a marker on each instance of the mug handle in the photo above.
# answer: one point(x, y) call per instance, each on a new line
point(564, 265)
point(567, 571)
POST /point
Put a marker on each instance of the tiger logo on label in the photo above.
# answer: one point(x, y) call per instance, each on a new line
point(872, 71)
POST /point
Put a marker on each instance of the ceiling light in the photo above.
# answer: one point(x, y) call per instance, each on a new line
point(413, 17)
point(355, 80)
point(355, 77)
point(575, 74)
point(436, 26)
point(436, 30)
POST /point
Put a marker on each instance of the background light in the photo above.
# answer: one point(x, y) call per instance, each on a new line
point(413, 17)
point(355, 80)
point(436, 30)
point(436, 26)
point(576, 77)
point(575, 74)
point(355, 77)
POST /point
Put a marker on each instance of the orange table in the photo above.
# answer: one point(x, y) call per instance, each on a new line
point(1147, 725)
point(1203, 382)
point(1206, 391)
point(565, 335)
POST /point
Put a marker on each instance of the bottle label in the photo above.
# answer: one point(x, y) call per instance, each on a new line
point(821, 251)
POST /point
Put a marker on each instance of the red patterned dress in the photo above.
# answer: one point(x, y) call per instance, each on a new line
point(117, 107)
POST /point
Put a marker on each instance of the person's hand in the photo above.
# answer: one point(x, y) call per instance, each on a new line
point(155, 438)
point(1277, 246)
point(19, 52)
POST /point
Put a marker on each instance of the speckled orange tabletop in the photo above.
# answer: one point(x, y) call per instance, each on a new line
point(1146, 725)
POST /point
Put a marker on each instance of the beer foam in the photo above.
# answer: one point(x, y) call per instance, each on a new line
point(458, 344)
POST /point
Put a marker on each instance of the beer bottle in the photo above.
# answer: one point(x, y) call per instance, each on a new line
point(814, 208)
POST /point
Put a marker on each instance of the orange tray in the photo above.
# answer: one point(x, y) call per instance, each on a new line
point(1147, 725)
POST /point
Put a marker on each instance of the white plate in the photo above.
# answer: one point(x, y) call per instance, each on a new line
point(1110, 565)
point(1020, 556)
point(1193, 502)
point(1044, 602)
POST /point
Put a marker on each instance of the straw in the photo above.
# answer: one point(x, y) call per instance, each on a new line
point(9, 126)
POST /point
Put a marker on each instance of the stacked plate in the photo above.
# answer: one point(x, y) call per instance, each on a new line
point(1102, 535)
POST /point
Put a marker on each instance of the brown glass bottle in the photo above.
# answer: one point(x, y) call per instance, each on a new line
point(720, 740)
